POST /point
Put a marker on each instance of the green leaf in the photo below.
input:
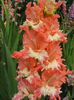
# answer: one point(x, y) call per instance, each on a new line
point(5, 93)
point(2, 27)
point(7, 15)
point(11, 70)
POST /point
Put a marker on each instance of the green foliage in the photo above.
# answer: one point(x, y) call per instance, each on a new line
point(9, 43)
point(68, 52)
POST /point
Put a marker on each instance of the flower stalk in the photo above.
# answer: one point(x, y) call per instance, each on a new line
point(41, 71)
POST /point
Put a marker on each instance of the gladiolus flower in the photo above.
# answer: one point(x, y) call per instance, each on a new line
point(40, 65)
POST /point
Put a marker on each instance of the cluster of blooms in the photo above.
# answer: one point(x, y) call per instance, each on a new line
point(71, 15)
point(11, 7)
point(40, 68)
point(64, 10)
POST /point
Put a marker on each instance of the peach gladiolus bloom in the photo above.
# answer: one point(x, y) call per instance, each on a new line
point(40, 65)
